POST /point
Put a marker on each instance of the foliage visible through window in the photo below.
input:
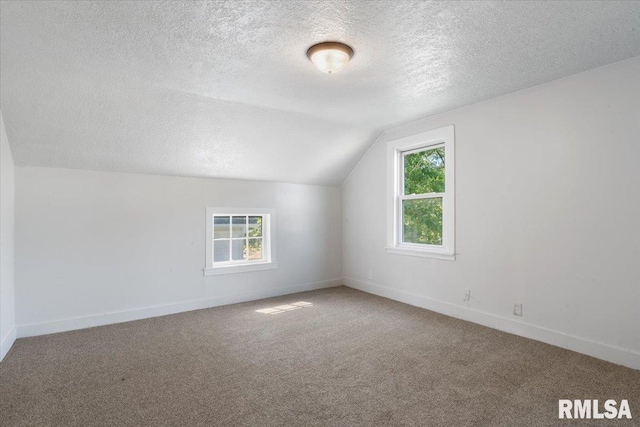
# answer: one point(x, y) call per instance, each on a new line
point(424, 187)
point(237, 238)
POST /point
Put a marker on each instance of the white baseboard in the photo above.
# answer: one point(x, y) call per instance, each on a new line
point(602, 351)
point(7, 342)
point(144, 313)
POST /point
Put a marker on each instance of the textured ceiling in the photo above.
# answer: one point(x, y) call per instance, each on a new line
point(224, 89)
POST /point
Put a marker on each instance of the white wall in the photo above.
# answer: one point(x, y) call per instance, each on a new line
point(548, 214)
point(97, 247)
point(7, 311)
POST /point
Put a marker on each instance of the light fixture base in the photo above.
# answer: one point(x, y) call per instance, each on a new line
point(329, 57)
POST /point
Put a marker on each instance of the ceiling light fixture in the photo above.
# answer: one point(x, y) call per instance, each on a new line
point(329, 57)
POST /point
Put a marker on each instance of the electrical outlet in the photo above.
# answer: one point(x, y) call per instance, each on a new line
point(370, 275)
point(517, 309)
point(467, 295)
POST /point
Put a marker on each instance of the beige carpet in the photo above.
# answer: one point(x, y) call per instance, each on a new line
point(349, 359)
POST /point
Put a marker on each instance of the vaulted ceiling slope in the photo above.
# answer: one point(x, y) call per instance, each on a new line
point(224, 89)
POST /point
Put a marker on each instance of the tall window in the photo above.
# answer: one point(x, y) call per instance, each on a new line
point(421, 194)
point(423, 187)
point(239, 240)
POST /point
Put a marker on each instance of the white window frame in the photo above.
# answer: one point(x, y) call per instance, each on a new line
point(396, 149)
point(268, 262)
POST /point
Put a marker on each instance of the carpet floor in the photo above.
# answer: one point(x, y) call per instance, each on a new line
point(346, 358)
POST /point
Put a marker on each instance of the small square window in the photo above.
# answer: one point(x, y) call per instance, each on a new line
point(239, 239)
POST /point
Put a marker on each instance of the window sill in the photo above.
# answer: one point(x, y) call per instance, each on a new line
point(449, 256)
point(233, 269)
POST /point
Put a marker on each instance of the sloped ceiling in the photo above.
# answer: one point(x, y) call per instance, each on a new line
point(224, 89)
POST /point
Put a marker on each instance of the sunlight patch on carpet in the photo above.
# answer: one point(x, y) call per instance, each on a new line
point(284, 308)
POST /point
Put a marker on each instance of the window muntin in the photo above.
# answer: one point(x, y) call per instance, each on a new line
point(421, 199)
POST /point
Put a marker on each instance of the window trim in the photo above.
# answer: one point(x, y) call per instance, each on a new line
point(268, 242)
point(396, 150)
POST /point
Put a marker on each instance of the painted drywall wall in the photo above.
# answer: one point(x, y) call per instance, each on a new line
point(7, 308)
point(548, 201)
point(99, 247)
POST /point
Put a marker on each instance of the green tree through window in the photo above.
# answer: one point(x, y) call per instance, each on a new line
point(237, 238)
point(424, 174)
